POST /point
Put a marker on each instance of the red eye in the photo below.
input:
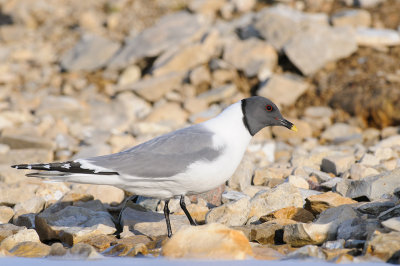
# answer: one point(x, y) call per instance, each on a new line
point(269, 108)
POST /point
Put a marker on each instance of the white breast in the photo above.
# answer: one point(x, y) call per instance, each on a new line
point(233, 137)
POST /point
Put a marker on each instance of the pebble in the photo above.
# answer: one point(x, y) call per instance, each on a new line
point(377, 37)
point(260, 56)
point(234, 213)
point(150, 223)
point(31, 249)
point(167, 31)
point(209, 241)
point(283, 89)
point(351, 17)
point(72, 224)
point(90, 53)
point(324, 42)
point(6, 213)
point(20, 236)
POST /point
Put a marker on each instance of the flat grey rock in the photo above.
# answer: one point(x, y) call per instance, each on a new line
point(311, 49)
point(170, 31)
point(283, 89)
point(90, 53)
point(150, 223)
point(372, 187)
point(280, 23)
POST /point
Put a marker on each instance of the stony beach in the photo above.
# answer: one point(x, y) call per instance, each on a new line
point(88, 78)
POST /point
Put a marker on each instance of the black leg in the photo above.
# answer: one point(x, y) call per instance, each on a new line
point(183, 206)
point(124, 206)
point(166, 214)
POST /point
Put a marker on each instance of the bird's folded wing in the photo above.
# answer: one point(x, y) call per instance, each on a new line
point(164, 156)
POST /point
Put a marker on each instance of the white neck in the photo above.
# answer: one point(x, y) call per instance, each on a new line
point(229, 124)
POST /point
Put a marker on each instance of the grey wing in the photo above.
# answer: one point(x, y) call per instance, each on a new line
point(164, 156)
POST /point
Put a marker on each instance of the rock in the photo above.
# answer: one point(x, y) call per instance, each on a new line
point(357, 228)
point(175, 59)
point(169, 113)
point(278, 24)
point(26, 142)
point(260, 56)
point(337, 164)
point(212, 197)
point(6, 213)
point(90, 53)
point(392, 224)
point(232, 195)
point(62, 107)
point(374, 208)
point(200, 75)
point(310, 50)
point(20, 236)
point(33, 205)
point(302, 234)
point(392, 212)
point(308, 251)
point(371, 187)
point(377, 37)
point(243, 5)
point(27, 220)
point(7, 230)
point(130, 246)
point(337, 244)
point(207, 114)
point(154, 88)
point(269, 176)
point(351, 17)
point(268, 201)
point(72, 224)
point(319, 203)
point(298, 182)
point(383, 246)
point(150, 223)
point(12, 195)
point(338, 131)
point(212, 241)
point(264, 233)
point(283, 89)
point(243, 175)
point(30, 249)
point(82, 250)
point(106, 194)
point(50, 192)
point(218, 94)
point(57, 249)
point(206, 7)
point(135, 107)
point(234, 213)
point(292, 213)
point(369, 160)
point(129, 76)
point(151, 42)
point(359, 171)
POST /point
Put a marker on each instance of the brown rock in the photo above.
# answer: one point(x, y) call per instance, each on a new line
point(7, 230)
point(318, 203)
point(31, 250)
point(154, 88)
point(293, 213)
point(302, 234)
point(266, 253)
point(261, 233)
point(169, 113)
point(6, 213)
point(100, 242)
point(131, 246)
point(212, 241)
point(20, 236)
point(384, 245)
point(197, 212)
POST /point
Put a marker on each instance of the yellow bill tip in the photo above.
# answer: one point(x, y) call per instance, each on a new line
point(294, 128)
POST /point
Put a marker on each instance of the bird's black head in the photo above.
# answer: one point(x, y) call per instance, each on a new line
point(260, 112)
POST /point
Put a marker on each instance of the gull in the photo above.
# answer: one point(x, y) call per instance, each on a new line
point(187, 161)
